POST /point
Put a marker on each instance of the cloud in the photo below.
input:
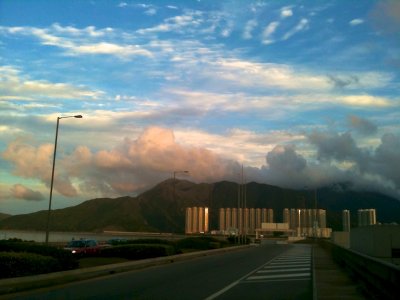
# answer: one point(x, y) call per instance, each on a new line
point(151, 12)
point(268, 32)
point(123, 51)
point(366, 101)
point(16, 86)
point(370, 168)
point(84, 41)
point(336, 146)
point(125, 169)
point(356, 22)
point(134, 165)
point(247, 73)
point(386, 159)
point(361, 80)
point(284, 159)
point(301, 26)
point(362, 125)
point(21, 192)
point(248, 28)
point(177, 24)
point(385, 16)
point(286, 12)
point(32, 162)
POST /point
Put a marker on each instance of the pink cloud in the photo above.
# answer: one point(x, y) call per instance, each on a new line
point(129, 167)
point(21, 192)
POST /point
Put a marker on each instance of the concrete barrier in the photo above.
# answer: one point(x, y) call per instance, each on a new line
point(19, 284)
point(380, 279)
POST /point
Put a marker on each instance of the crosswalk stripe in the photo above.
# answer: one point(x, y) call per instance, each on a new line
point(288, 264)
point(255, 277)
point(283, 270)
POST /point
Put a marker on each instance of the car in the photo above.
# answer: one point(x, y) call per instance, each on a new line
point(83, 246)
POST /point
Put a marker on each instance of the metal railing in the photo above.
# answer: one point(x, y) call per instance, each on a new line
point(379, 279)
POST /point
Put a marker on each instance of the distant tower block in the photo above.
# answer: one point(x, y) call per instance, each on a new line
point(346, 220)
point(366, 217)
point(189, 220)
point(307, 222)
point(222, 219)
point(196, 220)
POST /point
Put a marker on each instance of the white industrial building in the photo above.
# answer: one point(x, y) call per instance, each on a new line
point(366, 217)
point(307, 222)
point(196, 220)
point(243, 220)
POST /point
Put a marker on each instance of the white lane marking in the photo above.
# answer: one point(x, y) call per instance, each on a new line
point(292, 258)
point(288, 264)
point(279, 276)
point(291, 261)
point(286, 267)
point(283, 270)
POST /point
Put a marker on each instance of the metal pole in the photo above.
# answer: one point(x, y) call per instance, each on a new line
point(52, 174)
point(52, 181)
point(238, 216)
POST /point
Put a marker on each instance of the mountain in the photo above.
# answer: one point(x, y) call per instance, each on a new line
point(4, 216)
point(162, 208)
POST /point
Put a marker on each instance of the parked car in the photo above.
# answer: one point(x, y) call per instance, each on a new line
point(83, 247)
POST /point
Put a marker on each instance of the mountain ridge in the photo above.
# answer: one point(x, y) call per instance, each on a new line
point(162, 208)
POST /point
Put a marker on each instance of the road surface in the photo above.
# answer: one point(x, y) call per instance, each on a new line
point(266, 271)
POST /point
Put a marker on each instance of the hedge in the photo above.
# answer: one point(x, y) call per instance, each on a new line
point(138, 251)
point(200, 243)
point(65, 258)
point(15, 264)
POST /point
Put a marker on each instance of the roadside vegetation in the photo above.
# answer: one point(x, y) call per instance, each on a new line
point(23, 258)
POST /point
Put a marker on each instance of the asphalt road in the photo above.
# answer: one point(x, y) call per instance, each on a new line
point(267, 271)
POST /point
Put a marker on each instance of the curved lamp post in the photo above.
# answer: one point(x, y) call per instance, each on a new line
point(52, 174)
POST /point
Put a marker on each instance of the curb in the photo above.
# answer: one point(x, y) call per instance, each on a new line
point(19, 284)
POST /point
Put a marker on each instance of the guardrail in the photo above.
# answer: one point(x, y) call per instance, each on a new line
point(380, 279)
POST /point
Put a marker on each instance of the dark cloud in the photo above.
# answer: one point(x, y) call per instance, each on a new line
point(285, 168)
point(285, 159)
point(386, 159)
point(362, 126)
point(343, 82)
point(336, 146)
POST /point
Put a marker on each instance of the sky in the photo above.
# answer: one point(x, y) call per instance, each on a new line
point(302, 94)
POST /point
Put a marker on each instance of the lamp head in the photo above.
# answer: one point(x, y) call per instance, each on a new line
point(78, 116)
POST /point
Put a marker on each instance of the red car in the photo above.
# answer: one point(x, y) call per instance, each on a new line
point(83, 247)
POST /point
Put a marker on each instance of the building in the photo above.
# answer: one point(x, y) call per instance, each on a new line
point(366, 217)
point(346, 220)
point(307, 222)
point(243, 220)
point(196, 220)
point(379, 241)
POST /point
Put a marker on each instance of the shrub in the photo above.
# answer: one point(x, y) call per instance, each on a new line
point(138, 251)
point(66, 260)
point(14, 264)
point(199, 243)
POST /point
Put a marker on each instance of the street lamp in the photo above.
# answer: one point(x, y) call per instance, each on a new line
point(52, 173)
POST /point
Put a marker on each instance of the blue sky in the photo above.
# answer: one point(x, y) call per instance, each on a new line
point(301, 93)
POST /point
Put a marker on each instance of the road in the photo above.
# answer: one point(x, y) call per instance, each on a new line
point(267, 271)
